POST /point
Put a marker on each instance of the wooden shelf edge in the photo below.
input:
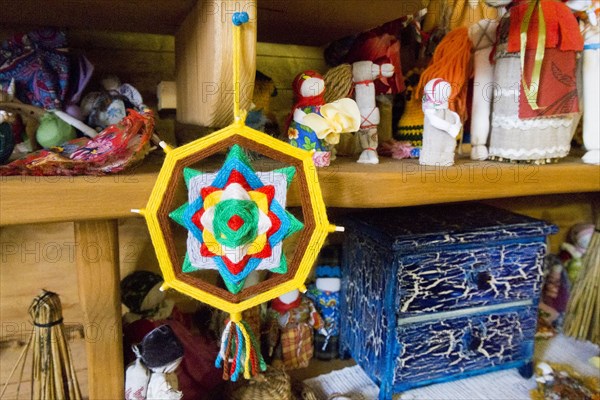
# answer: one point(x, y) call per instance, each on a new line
point(345, 184)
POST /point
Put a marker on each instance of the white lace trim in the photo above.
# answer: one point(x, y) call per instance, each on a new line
point(514, 122)
point(551, 152)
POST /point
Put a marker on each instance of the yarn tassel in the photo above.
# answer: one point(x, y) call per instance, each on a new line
point(240, 351)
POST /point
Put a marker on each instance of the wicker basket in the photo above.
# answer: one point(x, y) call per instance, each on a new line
point(273, 384)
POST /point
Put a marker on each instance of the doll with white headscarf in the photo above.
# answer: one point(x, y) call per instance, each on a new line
point(441, 125)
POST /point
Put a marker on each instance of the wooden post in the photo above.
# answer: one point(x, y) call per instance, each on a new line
point(98, 277)
point(204, 62)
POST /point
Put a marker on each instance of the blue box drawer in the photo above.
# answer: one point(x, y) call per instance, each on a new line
point(469, 277)
point(442, 350)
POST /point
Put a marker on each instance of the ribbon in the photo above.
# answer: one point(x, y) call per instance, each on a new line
point(531, 91)
point(341, 116)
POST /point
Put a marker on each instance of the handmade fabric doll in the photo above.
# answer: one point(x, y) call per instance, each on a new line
point(148, 308)
point(591, 78)
point(292, 318)
point(555, 295)
point(109, 106)
point(314, 125)
point(325, 293)
point(441, 126)
point(364, 73)
point(483, 37)
point(535, 103)
point(152, 377)
point(574, 249)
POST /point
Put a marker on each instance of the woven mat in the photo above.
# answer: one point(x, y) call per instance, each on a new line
point(506, 385)
point(355, 384)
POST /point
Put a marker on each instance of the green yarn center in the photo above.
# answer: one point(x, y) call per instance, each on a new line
point(229, 231)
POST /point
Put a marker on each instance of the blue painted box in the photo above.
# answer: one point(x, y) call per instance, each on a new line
point(432, 294)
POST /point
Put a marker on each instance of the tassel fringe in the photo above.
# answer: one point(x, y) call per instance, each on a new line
point(240, 352)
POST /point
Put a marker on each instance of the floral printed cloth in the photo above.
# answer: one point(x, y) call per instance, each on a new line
point(39, 63)
point(116, 148)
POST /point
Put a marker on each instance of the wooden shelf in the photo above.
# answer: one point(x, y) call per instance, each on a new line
point(317, 22)
point(345, 184)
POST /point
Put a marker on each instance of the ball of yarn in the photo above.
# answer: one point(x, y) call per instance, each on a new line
point(53, 131)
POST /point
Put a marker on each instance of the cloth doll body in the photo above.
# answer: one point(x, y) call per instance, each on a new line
point(152, 376)
point(325, 294)
point(309, 89)
point(591, 78)
point(519, 131)
point(292, 318)
point(483, 35)
point(363, 75)
point(140, 292)
point(441, 125)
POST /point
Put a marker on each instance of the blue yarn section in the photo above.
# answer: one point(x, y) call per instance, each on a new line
point(240, 18)
point(326, 271)
point(239, 365)
point(243, 168)
point(228, 275)
point(189, 213)
point(285, 223)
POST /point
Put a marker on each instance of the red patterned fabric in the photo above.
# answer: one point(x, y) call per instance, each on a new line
point(114, 149)
point(558, 85)
point(562, 29)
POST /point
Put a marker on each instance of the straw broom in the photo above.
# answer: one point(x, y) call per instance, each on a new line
point(52, 373)
point(582, 318)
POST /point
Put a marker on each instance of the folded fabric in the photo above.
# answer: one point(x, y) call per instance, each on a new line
point(341, 116)
point(113, 150)
point(39, 63)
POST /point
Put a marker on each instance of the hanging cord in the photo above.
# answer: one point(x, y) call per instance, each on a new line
point(238, 19)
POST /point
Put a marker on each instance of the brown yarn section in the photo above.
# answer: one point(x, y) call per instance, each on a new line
point(167, 205)
point(338, 82)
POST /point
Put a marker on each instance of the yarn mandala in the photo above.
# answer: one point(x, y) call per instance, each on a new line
point(236, 219)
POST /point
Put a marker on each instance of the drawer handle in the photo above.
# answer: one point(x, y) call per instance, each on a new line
point(483, 280)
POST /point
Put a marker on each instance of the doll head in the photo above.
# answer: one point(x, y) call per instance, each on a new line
point(140, 292)
point(436, 94)
point(308, 84)
point(328, 278)
point(160, 349)
point(290, 297)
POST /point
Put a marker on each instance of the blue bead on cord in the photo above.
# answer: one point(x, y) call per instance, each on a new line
point(240, 18)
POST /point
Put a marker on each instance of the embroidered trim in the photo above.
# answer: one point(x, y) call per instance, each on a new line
point(513, 122)
point(556, 151)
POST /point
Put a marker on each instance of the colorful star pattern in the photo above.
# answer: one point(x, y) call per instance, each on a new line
point(236, 219)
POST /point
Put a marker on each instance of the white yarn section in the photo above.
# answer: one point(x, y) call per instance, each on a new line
point(277, 179)
point(354, 383)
